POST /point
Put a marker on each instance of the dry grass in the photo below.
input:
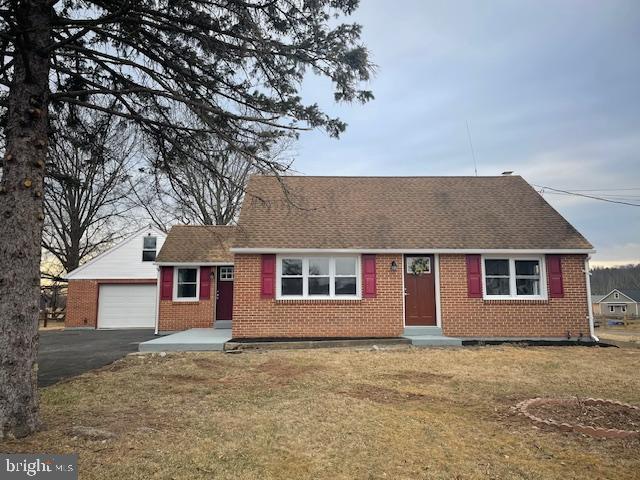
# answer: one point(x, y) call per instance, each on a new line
point(630, 335)
point(51, 326)
point(339, 414)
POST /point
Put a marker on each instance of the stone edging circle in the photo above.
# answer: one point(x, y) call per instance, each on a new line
point(523, 407)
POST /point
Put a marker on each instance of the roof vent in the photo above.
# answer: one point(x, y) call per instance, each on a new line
point(508, 172)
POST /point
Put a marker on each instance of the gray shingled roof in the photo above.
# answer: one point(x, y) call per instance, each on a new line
point(632, 294)
point(208, 243)
point(502, 212)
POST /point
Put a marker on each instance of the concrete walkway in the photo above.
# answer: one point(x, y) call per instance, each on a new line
point(214, 339)
point(194, 340)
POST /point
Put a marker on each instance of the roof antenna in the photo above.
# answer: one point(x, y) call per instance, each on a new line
point(473, 153)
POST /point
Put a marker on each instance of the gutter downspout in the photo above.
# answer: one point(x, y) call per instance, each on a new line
point(589, 306)
point(157, 302)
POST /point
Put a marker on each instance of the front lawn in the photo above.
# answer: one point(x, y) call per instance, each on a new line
point(338, 414)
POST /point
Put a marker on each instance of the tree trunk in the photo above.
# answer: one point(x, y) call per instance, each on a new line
point(21, 219)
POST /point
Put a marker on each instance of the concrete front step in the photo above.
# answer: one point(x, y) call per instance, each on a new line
point(430, 337)
point(222, 324)
point(409, 331)
point(434, 341)
point(284, 344)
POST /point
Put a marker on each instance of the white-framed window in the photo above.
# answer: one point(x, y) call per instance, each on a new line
point(506, 277)
point(616, 295)
point(186, 283)
point(624, 308)
point(149, 248)
point(225, 274)
point(318, 276)
point(612, 308)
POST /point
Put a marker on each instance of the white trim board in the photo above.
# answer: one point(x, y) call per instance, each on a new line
point(194, 264)
point(436, 265)
point(514, 251)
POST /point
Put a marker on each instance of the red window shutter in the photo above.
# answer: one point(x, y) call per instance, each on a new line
point(554, 274)
point(474, 276)
point(166, 283)
point(268, 283)
point(205, 283)
point(368, 276)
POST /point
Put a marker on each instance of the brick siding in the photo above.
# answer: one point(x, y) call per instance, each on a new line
point(82, 304)
point(475, 317)
point(381, 316)
point(82, 300)
point(176, 316)
point(255, 317)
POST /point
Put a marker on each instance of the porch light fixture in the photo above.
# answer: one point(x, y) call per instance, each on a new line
point(394, 266)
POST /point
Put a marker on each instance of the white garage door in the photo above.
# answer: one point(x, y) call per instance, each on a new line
point(127, 306)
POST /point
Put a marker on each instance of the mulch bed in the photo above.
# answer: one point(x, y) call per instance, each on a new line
point(595, 417)
point(602, 415)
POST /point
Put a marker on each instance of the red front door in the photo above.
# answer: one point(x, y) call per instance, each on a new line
point(224, 293)
point(420, 291)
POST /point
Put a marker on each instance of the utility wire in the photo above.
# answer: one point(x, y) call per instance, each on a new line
point(473, 153)
point(568, 192)
point(606, 189)
point(630, 198)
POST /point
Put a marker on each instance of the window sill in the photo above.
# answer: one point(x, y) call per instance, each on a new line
point(338, 301)
point(515, 301)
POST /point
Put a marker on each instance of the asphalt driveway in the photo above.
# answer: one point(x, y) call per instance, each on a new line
point(68, 353)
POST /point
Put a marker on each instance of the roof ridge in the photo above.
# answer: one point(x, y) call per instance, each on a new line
point(203, 226)
point(384, 176)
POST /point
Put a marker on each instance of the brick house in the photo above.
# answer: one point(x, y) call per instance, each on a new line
point(351, 257)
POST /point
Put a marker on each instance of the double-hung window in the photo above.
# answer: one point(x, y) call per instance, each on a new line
point(346, 276)
point(291, 272)
point(149, 248)
point(318, 277)
point(514, 277)
point(186, 284)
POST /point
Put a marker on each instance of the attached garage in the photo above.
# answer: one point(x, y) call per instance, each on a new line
point(126, 306)
point(117, 289)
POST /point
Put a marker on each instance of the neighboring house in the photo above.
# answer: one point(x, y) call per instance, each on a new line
point(117, 289)
point(618, 302)
point(345, 257)
point(595, 303)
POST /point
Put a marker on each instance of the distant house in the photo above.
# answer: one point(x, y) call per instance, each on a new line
point(617, 302)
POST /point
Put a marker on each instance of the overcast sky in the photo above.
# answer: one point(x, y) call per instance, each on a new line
point(551, 90)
